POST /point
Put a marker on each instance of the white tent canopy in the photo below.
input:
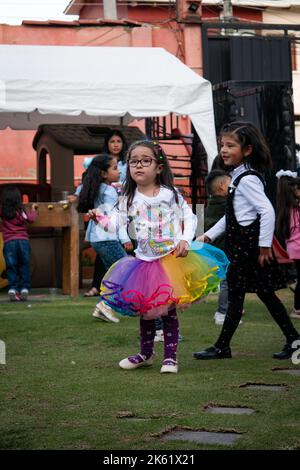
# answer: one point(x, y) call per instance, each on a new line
point(58, 84)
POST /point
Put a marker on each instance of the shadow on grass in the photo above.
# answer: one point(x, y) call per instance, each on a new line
point(16, 438)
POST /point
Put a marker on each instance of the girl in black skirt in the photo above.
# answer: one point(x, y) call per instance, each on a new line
point(249, 225)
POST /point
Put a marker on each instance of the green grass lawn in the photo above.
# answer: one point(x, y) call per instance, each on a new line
point(62, 387)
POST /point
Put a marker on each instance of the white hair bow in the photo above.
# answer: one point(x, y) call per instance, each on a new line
point(291, 174)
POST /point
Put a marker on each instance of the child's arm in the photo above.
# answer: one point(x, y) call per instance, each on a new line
point(189, 220)
point(122, 224)
point(265, 255)
point(99, 218)
point(32, 213)
point(124, 238)
point(109, 200)
point(214, 231)
point(115, 222)
point(203, 238)
point(189, 225)
point(72, 198)
point(252, 190)
point(182, 249)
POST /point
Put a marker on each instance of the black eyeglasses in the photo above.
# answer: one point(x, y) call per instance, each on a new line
point(143, 161)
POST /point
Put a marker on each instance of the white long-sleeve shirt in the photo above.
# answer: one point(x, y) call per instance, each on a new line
point(158, 223)
point(249, 201)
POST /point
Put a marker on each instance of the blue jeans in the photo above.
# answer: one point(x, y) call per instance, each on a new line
point(17, 258)
point(223, 297)
point(110, 251)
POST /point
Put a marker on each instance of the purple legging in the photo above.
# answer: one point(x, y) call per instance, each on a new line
point(171, 332)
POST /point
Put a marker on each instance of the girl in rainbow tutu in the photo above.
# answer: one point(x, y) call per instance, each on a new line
point(168, 269)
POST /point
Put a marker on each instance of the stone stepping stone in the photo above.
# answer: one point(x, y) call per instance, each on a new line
point(202, 437)
point(230, 410)
point(271, 388)
point(295, 372)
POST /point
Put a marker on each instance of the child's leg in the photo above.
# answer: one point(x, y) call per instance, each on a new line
point(24, 264)
point(279, 314)
point(109, 251)
point(99, 272)
point(144, 358)
point(223, 297)
point(297, 290)
point(147, 334)
point(232, 318)
point(10, 253)
point(171, 332)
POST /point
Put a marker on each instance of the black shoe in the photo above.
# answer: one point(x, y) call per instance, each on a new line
point(286, 353)
point(213, 353)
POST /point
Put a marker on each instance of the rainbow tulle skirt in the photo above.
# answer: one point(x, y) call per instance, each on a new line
point(148, 288)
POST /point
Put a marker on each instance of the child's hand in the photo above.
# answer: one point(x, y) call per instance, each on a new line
point(92, 214)
point(204, 239)
point(128, 246)
point(182, 249)
point(34, 206)
point(72, 198)
point(265, 256)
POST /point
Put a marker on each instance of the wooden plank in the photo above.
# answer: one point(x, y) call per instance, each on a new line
point(52, 214)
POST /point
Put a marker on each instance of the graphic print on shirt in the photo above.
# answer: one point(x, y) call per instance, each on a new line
point(155, 228)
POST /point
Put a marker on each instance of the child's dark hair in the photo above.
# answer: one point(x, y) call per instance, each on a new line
point(212, 178)
point(286, 201)
point(248, 134)
point(165, 178)
point(11, 202)
point(109, 135)
point(218, 164)
point(92, 181)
